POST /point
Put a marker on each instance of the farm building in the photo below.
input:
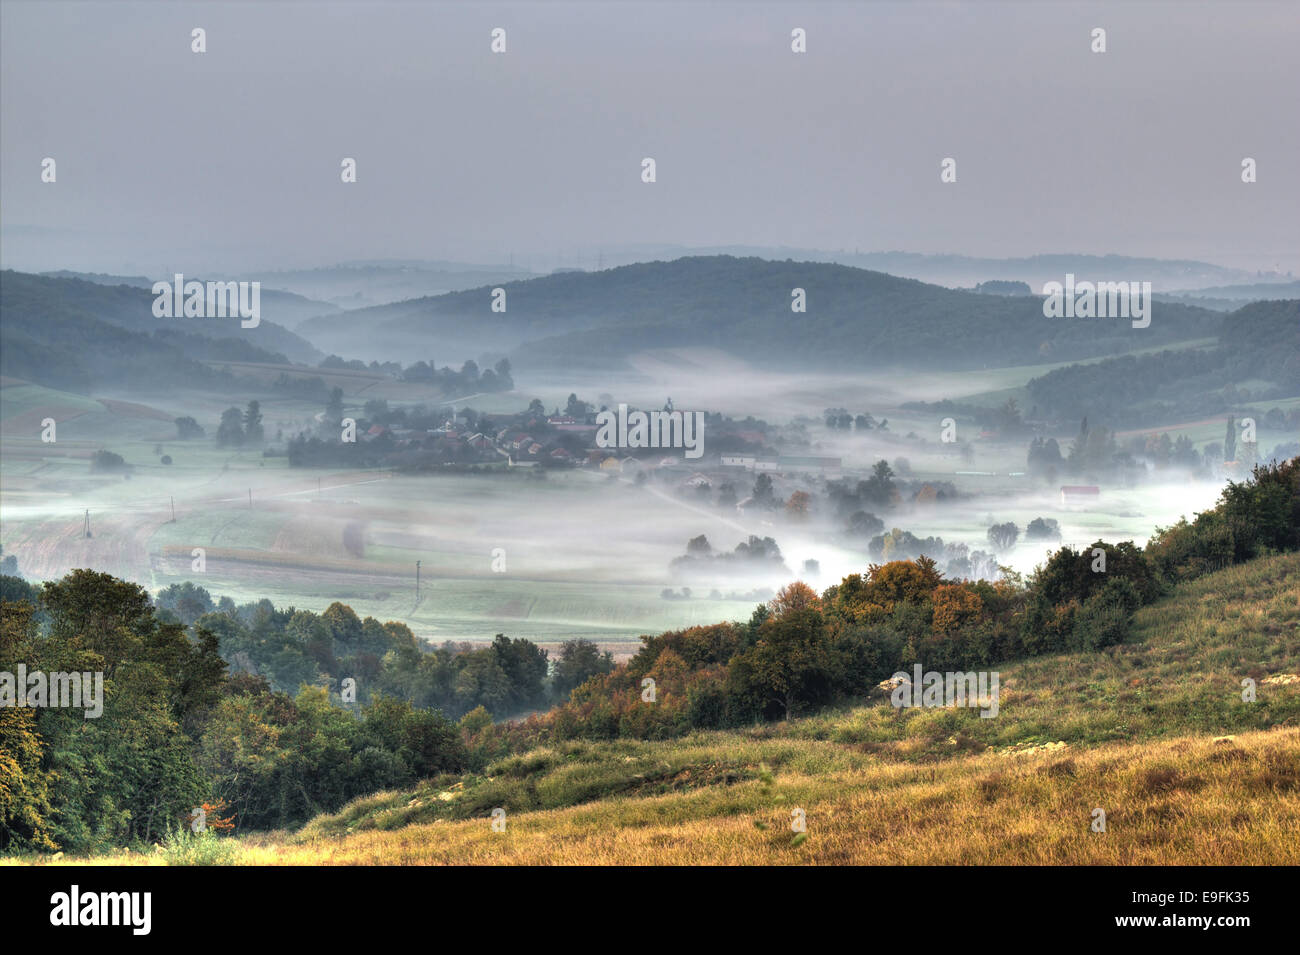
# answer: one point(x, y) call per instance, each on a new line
point(738, 461)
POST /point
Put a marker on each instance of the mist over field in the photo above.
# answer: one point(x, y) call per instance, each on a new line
point(587, 553)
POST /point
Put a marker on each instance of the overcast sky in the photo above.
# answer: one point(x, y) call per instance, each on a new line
point(231, 158)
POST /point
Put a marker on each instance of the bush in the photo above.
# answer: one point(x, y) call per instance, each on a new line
point(1104, 618)
point(106, 461)
point(182, 847)
point(1097, 626)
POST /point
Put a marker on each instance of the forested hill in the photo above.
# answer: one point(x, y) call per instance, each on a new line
point(79, 336)
point(854, 318)
point(1257, 358)
point(29, 301)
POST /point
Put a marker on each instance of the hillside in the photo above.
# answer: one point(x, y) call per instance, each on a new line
point(855, 318)
point(1153, 731)
point(31, 303)
point(1257, 359)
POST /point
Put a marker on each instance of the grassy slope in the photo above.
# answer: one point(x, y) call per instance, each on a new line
point(1131, 730)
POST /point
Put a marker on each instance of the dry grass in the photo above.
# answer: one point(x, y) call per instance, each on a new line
point(1187, 801)
point(1177, 802)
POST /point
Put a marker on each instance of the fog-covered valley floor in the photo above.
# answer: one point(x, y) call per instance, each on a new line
point(547, 555)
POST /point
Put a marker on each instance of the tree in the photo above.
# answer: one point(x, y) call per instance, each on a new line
point(797, 506)
point(1009, 420)
point(26, 800)
point(334, 407)
point(1003, 536)
point(525, 665)
point(793, 598)
point(575, 408)
point(789, 665)
point(1044, 456)
point(579, 661)
point(865, 524)
point(504, 381)
point(763, 495)
point(1040, 529)
point(105, 461)
point(727, 496)
point(879, 488)
point(230, 433)
point(128, 773)
point(253, 433)
point(838, 418)
point(1230, 440)
point(187, 428)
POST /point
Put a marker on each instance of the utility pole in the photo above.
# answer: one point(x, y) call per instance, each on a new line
point(173, 510)
point(417, 581)
point(87, 527)
point(250, 497)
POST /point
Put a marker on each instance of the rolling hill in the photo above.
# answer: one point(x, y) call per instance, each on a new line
point(30, 300)
point(855, 318)
point(77, 335)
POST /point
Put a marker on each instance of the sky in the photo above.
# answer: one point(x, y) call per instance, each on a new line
point(168, 159)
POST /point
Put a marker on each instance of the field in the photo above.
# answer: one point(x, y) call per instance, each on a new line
point(1153, 732)
point(584, 554)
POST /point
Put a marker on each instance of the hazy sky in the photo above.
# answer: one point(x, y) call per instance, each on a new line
point(231, 158)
